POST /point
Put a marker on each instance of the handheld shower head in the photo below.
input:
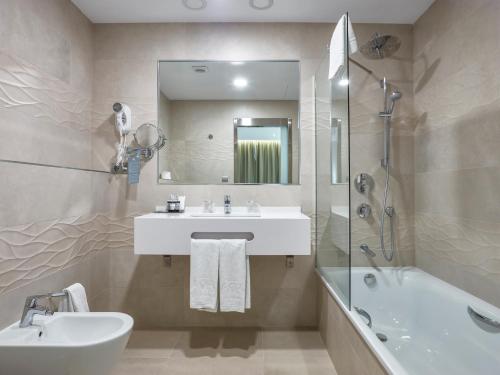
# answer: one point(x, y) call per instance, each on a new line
point(395, 95)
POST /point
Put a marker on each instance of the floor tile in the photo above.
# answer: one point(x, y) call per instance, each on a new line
point(152, 344)
point(212, 351)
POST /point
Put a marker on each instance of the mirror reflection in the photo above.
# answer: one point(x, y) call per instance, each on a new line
point(229, 122)
point(339, 133)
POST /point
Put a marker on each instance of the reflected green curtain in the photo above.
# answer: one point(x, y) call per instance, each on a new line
point(258, 162)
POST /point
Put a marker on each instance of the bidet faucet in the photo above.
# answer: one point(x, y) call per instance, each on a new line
point(32, 308)
point(227, 204)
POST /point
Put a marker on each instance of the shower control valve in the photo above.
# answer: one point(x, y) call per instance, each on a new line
point(363, 183)
point(364, 210)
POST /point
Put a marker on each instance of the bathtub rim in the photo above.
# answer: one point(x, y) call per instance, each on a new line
point(383, 355)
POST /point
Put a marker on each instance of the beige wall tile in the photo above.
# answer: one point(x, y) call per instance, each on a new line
point(456, 146)
point(50, 235)
point(279, 303)
point(347, 349)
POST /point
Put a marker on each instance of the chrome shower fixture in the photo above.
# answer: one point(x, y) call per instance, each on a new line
point(396, 95)
point(390, 98)
point(380, 47)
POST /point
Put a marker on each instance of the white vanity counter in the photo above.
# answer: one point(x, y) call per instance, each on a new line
point(273, 231)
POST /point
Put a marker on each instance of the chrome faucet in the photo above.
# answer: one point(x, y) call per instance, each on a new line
point(32, 308)
point(227, 204)
point(367, 251)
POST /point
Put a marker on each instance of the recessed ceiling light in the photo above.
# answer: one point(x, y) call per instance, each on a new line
point(344, 82)
point(261, 4)
point(195, 4)
point(240, 83)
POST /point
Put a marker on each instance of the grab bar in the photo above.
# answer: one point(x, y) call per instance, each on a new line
point(249, 236)
point(364, 314)
point(481, 315)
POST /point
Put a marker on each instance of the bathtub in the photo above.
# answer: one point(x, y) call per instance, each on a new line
point(429, 326)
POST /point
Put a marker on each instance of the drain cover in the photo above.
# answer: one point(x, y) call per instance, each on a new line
point(382, 337)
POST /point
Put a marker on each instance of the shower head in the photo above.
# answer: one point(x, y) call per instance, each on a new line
point(380, 47)
point(395, 95)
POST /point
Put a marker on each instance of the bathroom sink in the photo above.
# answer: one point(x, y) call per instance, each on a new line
point(271, 231)
point(219, 212)
point(65, 344)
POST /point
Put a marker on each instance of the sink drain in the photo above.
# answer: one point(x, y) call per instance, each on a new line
point(382, 337)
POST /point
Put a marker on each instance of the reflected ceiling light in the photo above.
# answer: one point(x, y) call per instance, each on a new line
point(344, 82)
point(237, 62)
point(240, 83)
point(261, 4)
point(195, 4)
point(246, 121)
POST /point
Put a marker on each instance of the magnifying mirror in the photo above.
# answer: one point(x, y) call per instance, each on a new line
point(149, 136)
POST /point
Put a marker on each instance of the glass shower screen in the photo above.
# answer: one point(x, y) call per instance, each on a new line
point(332, 176)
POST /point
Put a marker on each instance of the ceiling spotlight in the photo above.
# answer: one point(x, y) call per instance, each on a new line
point(240, 83)
point(195, 4)
point(261, 4)
point(344, 82)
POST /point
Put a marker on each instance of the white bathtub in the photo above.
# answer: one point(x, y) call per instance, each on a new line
point(429, 327)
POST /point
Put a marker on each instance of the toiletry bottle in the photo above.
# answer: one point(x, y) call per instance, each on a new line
point(227, 204)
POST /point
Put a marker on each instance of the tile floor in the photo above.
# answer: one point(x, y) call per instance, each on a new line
point(225, 351)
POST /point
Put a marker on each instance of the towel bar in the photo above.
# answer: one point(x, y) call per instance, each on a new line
point(249, 236)
point(290, 261)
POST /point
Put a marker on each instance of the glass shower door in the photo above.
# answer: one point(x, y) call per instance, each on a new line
point(332, 176)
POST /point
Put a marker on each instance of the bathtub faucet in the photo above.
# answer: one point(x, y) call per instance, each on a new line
point(367, 251)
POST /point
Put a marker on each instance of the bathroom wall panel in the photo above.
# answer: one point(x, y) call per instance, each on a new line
point(158, 297)
point(457, 102)
point(125, 70)
point(367, 146)
point(50, 235)
point(46, 64)
point(90, 271)
point(346, 347)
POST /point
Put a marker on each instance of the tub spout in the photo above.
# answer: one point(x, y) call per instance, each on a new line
point(367, 251)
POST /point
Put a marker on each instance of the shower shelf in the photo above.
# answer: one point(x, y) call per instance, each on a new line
point(277, 231)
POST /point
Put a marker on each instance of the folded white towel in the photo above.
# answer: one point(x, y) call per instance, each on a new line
point(234, 276)
point(204, 276)
point(77, 298)
point(338, 48)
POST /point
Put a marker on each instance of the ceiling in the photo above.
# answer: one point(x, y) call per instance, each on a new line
point(276, 80)
point(362, 11)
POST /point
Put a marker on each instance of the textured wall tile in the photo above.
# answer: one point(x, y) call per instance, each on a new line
point(35, 250)
point(457, 102)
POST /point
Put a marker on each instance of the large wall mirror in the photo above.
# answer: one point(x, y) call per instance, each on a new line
point(229, 122)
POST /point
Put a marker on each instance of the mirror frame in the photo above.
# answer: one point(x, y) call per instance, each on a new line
point(299, 177)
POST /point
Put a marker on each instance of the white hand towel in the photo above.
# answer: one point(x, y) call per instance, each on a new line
point(204, 276)
point(338, 47)
point(234, 276)
point(77, 298)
